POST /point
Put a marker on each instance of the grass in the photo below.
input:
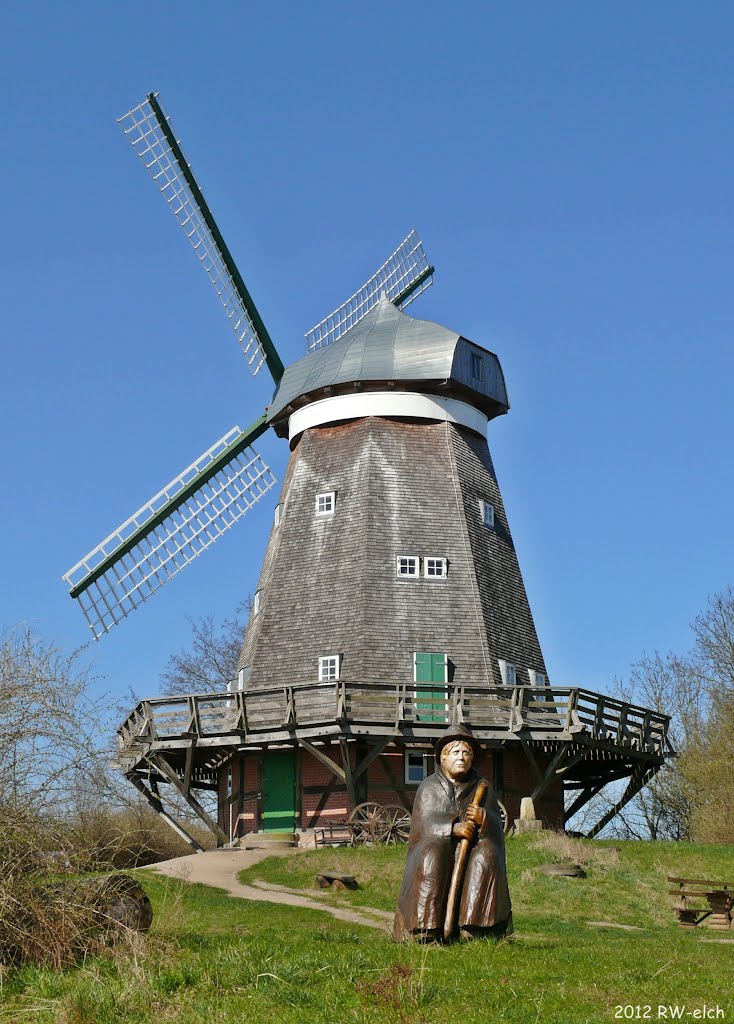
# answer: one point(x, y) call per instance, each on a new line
point(211, 957)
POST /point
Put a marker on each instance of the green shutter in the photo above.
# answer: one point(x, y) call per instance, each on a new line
point(430, 667)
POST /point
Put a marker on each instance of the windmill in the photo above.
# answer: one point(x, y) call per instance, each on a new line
point(390, 600)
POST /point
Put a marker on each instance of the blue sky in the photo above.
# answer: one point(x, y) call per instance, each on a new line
point(569, 166)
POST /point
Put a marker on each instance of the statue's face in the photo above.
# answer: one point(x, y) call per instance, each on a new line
point(456, 759)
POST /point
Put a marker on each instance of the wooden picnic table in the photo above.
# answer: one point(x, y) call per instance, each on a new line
point(701, 899)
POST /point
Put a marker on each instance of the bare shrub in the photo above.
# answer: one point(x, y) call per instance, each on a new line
point(578, 851)
point(39, 923)
point(129, 837)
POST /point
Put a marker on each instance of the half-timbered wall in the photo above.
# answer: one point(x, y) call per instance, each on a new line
point(321, 798)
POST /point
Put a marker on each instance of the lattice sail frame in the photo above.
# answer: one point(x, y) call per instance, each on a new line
point(160, 553)
point(406, 272)
point(143, 131)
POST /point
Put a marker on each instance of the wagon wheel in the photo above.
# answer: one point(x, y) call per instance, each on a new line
point(503, 816)
point(362, 823)
point(392, 825)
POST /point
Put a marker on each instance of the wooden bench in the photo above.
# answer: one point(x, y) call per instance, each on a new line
point(702, 900)
point(336, 833)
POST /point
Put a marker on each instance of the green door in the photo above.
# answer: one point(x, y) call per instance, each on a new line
point(431, 669)
point(279, 791)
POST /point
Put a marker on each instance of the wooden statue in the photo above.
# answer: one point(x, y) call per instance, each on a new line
point(455, 879)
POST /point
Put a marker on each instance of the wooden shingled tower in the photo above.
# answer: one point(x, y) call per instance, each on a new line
point(390, 601)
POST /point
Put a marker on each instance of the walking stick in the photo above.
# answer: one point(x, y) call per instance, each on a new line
point(457, 878)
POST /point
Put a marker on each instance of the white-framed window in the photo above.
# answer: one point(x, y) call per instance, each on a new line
point(277, 515)
point(434, 568)
point(229, 782)
point(508, 671)
point(418, 766)
point(408, 567)
point(329, 668)
point(476, 366)
point(256, 604)
point(325, 503)
point(537, 678)
point(486, 510)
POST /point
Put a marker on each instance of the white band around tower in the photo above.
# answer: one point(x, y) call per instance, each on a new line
point(386, 403)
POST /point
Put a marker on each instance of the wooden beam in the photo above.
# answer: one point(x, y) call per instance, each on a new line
point(637, 781)
point(550, 772)
point(189, 765)
point(366, 761)
point(323, 800)
point(531, 758)
point(165, 769)
point(325, 759)
point(583, 798)
point(157, 804)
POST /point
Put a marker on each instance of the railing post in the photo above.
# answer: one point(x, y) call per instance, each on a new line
point(622, 723)
point(151, 729)
point(599, 717)
point(571, 713)
point(399, 703)
point(459, 703)
point(517, 704)
point(341, 699)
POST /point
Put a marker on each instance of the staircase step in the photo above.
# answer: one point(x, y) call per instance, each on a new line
point(268, 840)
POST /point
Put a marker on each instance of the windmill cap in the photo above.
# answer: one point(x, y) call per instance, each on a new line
point(455, 733)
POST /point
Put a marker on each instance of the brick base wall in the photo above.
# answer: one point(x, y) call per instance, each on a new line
point(321, 799)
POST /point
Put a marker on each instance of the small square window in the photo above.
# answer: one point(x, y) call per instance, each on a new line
point(408, 567)
point(487, 511)
point(329, 668)
point(435, 568)
point(418, 766)
point(537, 678)
point(476, 366)
point(325, 503)
point(508, 671)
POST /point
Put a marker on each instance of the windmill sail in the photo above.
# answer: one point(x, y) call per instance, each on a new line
point(402, 278)
point(149, 131)
point(170, 530)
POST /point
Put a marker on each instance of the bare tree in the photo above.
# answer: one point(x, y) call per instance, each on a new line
point(210, 663)
point(49, 728)
point(672, 685)
point(714, 633)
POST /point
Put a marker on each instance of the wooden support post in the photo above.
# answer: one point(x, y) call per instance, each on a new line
point(348, 776)
point(165, 769)
point(157, 804)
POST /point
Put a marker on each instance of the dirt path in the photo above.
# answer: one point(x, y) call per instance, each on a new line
point(219, 868)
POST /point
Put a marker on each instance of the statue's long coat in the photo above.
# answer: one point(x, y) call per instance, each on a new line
point(485, 899)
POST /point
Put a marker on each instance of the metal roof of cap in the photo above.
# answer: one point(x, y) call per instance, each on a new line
point(386, 344)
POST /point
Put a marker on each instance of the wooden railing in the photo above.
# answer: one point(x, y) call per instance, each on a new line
point(492, 711)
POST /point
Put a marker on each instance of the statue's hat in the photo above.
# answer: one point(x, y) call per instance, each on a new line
point(458, 732)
